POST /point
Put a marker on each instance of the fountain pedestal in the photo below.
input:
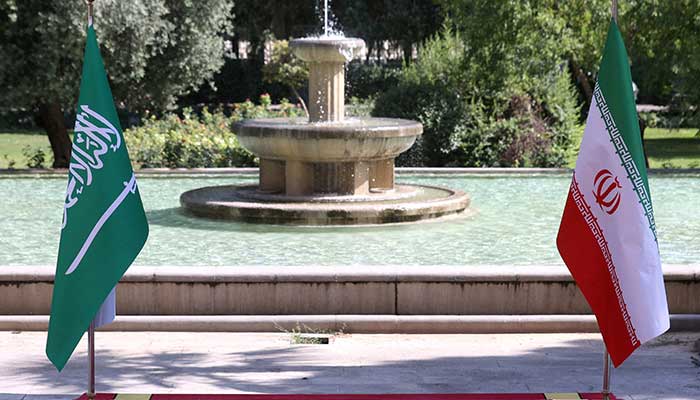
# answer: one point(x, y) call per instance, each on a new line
point(326, 59)
point(326, 169)
point(298, 178)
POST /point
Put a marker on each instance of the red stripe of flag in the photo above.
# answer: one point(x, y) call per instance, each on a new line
point(584, 257)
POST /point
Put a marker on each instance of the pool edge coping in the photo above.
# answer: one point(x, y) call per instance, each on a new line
point(400, 170)
point(340, 273)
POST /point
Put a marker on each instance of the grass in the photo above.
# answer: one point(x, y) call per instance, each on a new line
point(303, 334)
point(12, 143)
point(666, 148)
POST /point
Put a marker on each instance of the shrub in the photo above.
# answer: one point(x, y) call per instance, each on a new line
point(357, 107)
point(441, 112)
point(527, 133)
point(467, 122)
point(191, 141)
point(426, 92)
point(35, 157)
point(365, 81)
point(187, 141)
point(669, 119)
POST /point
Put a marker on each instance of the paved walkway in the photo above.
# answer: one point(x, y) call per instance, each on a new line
point(145, 362)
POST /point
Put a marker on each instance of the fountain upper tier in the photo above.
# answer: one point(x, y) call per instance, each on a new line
point(327, 48)
point(326, 57)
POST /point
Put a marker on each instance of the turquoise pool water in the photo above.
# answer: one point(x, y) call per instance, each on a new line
point(515, 221)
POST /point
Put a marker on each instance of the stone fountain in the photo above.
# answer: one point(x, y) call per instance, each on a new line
point(327, 170)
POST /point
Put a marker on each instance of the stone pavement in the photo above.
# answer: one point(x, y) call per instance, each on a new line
point(162, 362)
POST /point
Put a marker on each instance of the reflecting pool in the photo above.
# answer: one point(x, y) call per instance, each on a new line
point(513, 220)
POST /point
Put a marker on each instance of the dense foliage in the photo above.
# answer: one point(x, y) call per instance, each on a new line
point(496, 87)
point(367, 80)
point(664, 44)
point(404, 23)
point(426, 92)
point(471, 118)
point(154, 51)
point(197, 141)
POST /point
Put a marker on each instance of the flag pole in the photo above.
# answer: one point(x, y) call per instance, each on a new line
point(606, 376)
point(91, 361)
point(91, 329)
point(606, 363)
point(89, 5)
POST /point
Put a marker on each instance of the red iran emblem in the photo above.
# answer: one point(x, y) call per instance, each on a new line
point(606, 191)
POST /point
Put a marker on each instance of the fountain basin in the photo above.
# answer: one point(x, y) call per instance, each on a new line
point(327, 49)
point(245, 204)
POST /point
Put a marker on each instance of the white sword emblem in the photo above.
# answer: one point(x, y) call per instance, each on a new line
point(129, 187)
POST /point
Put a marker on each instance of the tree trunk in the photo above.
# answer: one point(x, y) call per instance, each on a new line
point(407, 52)
point(51, 117)
point(301, 100)
point(642, 128)
point(582, 80)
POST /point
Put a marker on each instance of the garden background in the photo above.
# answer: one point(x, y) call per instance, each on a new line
point(495, 84)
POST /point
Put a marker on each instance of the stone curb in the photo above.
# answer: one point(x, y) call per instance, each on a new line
point(362, 273)
point(418, 324)
point(339, 290)
point(401, 170)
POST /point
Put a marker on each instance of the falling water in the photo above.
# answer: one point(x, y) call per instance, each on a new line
point(325, 18)
point(329, 26)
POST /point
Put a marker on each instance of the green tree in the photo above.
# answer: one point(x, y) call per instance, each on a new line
point(517, 40)
point(583, 38)
point(664, 44)
point(363, 19)
point(411, 22)
point(153, 51)
point(405, 23)
point(257, 20)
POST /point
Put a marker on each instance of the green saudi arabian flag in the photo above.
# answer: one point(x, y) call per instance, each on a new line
point(104, 224)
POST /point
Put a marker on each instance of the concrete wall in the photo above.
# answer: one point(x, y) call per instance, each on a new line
point(356, 290)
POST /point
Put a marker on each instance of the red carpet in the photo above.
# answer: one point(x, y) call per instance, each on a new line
point(485, 396)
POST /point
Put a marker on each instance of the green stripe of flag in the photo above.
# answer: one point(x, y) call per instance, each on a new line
point(615, 100)
point(615, 82)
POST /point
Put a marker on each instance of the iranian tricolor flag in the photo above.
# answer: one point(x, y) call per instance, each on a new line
point(607, 236)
